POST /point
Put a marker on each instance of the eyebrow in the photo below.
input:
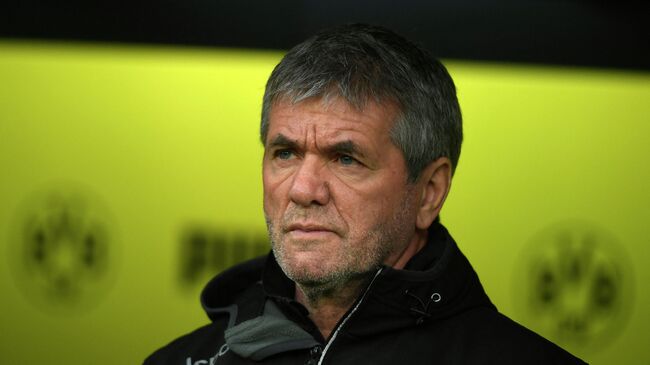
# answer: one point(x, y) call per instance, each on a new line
point(282, 141)
point(346, 147)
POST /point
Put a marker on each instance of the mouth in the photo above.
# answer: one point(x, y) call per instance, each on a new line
point(309, 230)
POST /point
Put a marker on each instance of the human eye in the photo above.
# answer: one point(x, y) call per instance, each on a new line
point(347, 160)
point(283, 154)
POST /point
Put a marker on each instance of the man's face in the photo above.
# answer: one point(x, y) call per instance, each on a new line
point(336, 197)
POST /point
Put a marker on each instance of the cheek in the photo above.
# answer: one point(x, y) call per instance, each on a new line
point(371, 208)
point(270, 204)
point(274, 194)
point(268, 190)
point(361, 212)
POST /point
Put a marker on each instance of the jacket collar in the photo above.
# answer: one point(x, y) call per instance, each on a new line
point(438, 282)
point(445, 285)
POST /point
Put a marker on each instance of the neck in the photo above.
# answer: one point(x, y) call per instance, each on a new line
point(327, 306)
point(418, 241)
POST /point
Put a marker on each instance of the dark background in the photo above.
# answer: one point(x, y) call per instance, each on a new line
point(572, 33)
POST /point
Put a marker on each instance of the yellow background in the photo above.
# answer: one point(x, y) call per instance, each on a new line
point(168, 139)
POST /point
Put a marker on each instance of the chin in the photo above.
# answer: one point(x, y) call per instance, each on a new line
point(306, 269)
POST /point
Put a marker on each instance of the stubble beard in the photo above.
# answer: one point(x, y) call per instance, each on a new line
point(356, 262)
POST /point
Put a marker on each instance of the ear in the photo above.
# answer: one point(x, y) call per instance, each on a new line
point(434, 184)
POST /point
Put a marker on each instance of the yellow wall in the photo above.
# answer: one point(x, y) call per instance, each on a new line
point(152, 154)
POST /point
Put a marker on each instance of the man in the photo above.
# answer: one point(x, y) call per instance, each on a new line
point(362, 133)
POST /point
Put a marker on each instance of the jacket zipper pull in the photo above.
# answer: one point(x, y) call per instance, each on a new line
point(314, 355)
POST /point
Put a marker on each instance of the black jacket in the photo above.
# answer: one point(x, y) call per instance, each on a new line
point(434, 311)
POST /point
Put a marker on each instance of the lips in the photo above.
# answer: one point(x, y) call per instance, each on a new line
point(311, 231)
point(308, 227)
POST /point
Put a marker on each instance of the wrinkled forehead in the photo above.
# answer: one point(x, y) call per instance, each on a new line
point(318, 123)
point(334, 107)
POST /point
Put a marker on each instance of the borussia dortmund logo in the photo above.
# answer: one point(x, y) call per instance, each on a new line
point(576, 287)
point(63, 250)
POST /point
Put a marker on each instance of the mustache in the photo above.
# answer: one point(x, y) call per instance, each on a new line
point(312, 218)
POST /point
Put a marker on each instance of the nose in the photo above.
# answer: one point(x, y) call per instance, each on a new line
point(309, 185)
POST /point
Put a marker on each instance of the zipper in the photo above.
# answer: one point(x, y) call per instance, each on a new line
point(350, 313)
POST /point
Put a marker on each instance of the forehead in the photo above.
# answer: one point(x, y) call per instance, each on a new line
point(329, 118)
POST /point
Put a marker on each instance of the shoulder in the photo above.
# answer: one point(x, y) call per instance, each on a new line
point(224, 289)
point(507, 341)
point(198, 344)
point(231, 295)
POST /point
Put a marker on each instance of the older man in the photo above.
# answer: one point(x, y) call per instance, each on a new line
point(362, 133)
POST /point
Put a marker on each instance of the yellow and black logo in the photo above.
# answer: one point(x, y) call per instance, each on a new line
point(63, 250)
point(576, 287)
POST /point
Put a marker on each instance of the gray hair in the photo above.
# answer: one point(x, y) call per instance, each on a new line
point(361, 63)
